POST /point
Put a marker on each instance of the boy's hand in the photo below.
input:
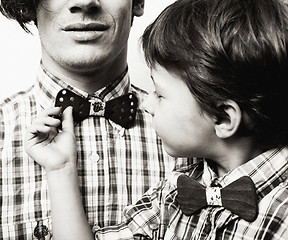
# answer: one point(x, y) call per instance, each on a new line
point(51, 149)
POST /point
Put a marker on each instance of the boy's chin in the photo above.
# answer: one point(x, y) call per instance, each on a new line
point(171, 152)
point(178, 153)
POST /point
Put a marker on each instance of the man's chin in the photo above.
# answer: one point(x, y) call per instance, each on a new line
point(82, 65)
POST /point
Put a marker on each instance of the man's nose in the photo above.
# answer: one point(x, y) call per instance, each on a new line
point(84, 6)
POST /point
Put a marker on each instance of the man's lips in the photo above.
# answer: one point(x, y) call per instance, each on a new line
point(85, 27)
point(85, 32)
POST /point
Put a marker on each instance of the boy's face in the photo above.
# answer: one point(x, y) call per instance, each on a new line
point(82, 35)
point(185, 131)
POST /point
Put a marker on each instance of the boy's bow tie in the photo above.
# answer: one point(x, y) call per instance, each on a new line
point(121, 110)
point(238, 197)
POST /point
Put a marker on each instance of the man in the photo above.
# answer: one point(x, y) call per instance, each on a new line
point(229, 114)
point(84, 49)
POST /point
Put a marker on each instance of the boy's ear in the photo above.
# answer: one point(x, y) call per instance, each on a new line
point(138, 7)
point(228, 126)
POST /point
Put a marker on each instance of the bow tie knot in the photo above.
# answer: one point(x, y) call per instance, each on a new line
point(238, 197)
point(121, 110)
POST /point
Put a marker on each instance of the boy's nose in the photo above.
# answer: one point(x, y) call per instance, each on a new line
point(148, 105)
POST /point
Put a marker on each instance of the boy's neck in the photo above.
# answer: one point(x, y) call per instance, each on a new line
point(235, 154)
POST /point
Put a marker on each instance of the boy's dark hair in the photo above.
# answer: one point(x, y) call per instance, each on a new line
point(229, 50)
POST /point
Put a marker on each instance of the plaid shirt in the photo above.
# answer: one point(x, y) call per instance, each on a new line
point(158, 216)
point(115, 166)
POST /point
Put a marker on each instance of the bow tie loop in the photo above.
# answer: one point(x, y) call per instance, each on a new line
point(121, 110)
point(238, 197)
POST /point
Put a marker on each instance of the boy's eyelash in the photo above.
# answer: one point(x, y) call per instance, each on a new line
point(156, 94)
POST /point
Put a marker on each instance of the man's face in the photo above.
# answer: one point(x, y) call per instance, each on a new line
point(84, 35)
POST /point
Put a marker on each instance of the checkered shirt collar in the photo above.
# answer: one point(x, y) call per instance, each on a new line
point(47, 87)
point(267, 171)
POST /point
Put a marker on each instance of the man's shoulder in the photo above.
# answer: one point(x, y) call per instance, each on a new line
point(17, 98)
point(16, 106)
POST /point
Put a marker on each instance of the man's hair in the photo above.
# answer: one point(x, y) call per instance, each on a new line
point(228, 50)
point(23, 11)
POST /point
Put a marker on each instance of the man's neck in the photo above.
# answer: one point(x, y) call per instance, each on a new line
point(88, 79)
point(88, 82)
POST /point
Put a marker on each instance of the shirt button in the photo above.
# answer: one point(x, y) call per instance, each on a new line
point(95, 157)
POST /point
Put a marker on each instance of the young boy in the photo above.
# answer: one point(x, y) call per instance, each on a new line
point(220, 73)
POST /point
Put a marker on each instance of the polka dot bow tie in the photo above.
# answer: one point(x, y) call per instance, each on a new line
point(238, 197)
point(120, 110)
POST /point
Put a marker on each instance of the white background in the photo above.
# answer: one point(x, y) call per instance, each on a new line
point(20, 52)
